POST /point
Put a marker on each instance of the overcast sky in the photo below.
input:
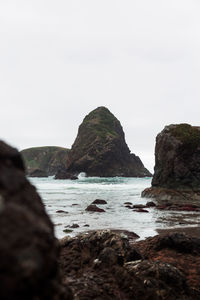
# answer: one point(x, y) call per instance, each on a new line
point(61, 59)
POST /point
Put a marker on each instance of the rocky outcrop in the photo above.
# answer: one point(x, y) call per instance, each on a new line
point(48, 160)
point(100, 148)
point(104, 265)
point(28, 247)
point(177, 164)
point(63, 173)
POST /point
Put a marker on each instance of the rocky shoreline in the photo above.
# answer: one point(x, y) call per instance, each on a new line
point(106, 265)
point(101, 265)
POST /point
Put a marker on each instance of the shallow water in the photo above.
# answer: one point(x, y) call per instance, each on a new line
point(74, 196)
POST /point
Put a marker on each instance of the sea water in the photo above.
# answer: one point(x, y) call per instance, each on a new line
point(73, 197)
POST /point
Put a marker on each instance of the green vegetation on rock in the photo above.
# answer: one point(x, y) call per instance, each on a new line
point(47, 158)
point(187, 134)
point(100, 148)
point(102, 122)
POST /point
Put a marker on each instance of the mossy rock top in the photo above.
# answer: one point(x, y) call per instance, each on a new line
point(102, 123)
point(177, 158)
point(187, 134)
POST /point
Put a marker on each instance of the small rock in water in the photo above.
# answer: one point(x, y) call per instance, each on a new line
point(67, 230)
point(142, 210)
point(86, 225)
point(139, 206)
point(150, 204)
point(127, 203)
point(128, 206)
point(94, 208)
point(61, 211)
point(74, 204)
point(99, 201)
point(74, 226)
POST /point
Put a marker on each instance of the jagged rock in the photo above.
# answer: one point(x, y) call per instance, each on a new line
point(48, 159)
point(37, 173)
point(181, 251)
point(177, 164)
point(100, 148)
point(28, 247)
point(161, 279)
point(63, 173)
point(179, 242)
point(103, 265)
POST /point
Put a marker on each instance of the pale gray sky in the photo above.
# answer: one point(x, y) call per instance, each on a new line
point(61, 59)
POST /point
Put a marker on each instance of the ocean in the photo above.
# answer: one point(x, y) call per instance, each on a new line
point(73, 197)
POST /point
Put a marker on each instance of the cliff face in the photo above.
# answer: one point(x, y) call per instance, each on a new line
point(177, 159)
point(44, 160)
point(100, 148)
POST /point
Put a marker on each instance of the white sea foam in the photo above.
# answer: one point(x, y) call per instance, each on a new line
point(63, 194)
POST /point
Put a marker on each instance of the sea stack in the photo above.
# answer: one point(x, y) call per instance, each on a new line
point(100, 148)
point(177, 164)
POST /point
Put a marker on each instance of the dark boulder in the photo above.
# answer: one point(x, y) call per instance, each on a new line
point(100, 148)
point(94, 208)
point(150, 204)
point(161, 279)
point(179, 242)
point(141, 210)
point(99, 201)
point(177, 164)
point(28, 247)
point(138, 206)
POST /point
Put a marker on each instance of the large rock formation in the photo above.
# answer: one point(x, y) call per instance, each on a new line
point(177, 164)
point(44, 161)
point(28, 247)
point(100, 148)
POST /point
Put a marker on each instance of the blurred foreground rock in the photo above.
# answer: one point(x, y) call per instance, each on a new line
point(28, 247)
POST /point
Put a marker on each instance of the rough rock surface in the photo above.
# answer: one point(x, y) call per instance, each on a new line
point(28, 248)
point(48, 159)
point(177, 164)
point(100, 148)
point(103, 265)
